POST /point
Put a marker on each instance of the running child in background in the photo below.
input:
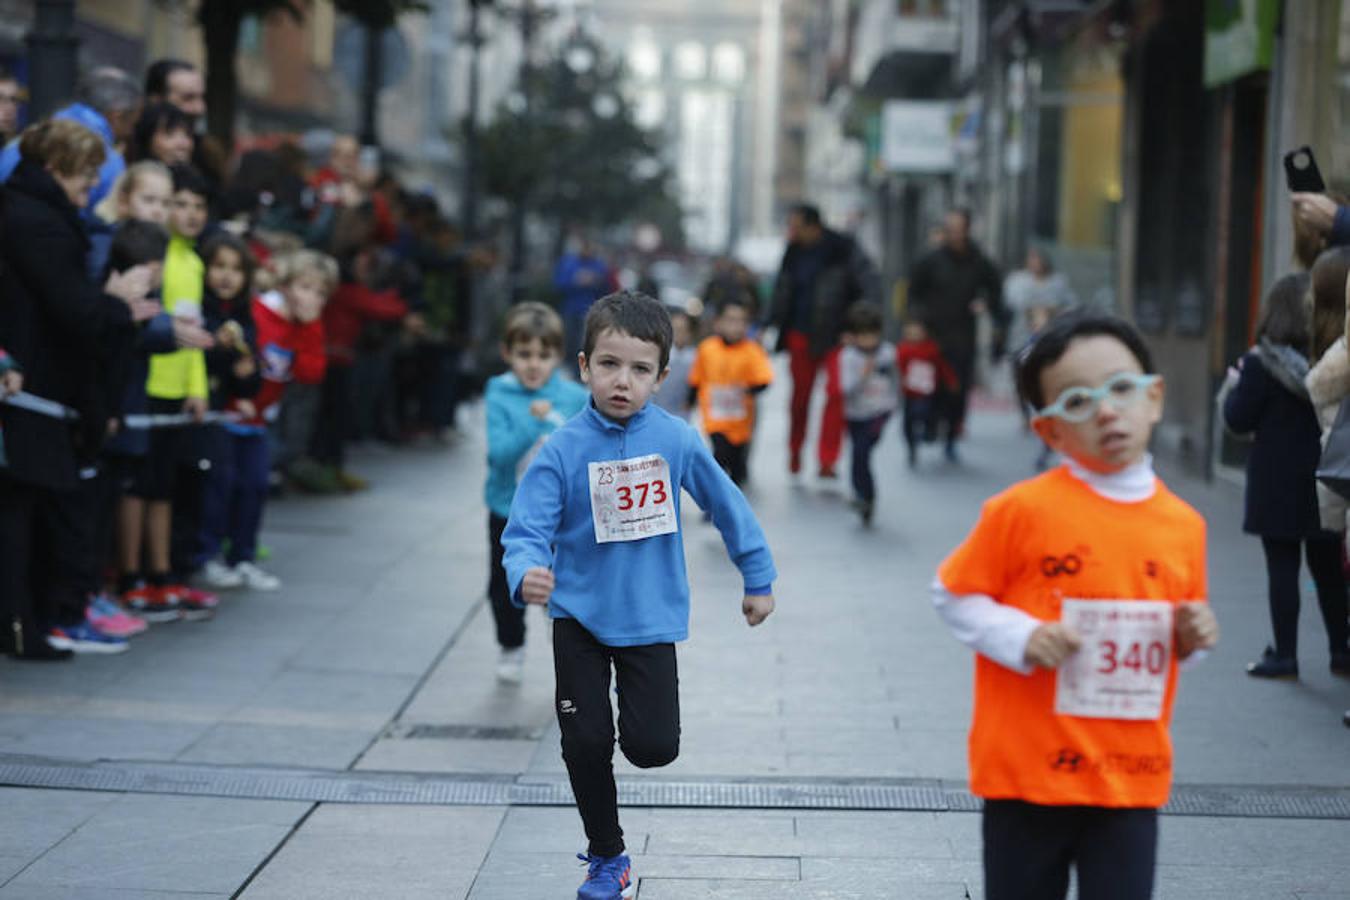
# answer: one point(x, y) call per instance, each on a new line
point(673, 395)
point(922, 371)
point(594, 534)
point(869, 385)
point(728, 372)
point(524, 406)
point(1079, 591)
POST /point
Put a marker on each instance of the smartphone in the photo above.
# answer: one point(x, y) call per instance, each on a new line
point(1301, 172)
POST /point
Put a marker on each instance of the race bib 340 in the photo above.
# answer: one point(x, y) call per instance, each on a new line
point(1121, 670)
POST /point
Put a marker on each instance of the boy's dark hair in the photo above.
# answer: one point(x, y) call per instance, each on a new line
point(135, 243)
point(186, 178)
point(863, 318)
point(734, 298)
point(1048, 346)
point(529, 321)
point(809, 213)
point(223, 240)
point(634, 314)
point(1286, 321)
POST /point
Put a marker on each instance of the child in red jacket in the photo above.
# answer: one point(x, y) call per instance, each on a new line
point(292, 356)
point(352, 305)
point(922, 371)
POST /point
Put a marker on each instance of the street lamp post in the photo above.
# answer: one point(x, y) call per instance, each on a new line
point(371, 84)
point(52, 47)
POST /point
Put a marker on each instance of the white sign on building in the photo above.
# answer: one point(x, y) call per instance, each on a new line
point(916, 136)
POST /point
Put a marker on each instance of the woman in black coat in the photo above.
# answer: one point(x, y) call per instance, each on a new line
point(1269, 402)
point(56, 324)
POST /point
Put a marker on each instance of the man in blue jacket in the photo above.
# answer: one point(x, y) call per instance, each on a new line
point(109, 100)
point(594, 534)
point(581, 278)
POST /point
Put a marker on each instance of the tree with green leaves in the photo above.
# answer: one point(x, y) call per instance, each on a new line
point(221, 22)
point(568, 148)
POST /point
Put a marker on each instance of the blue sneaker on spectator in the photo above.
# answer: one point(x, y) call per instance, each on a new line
point(85, 638)
point(609, 878)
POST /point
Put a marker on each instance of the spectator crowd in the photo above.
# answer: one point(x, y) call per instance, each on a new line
point(186, 333)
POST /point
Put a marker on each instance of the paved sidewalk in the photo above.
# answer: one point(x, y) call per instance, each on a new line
point(377, 657)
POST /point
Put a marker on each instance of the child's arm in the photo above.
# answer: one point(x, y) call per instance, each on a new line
point(853, 371)
point(536, 514)
point(1196, 627)
point(713, 491)
point(1000, 632)
point(311, 360)
point(976, 573)
point(1243, 406)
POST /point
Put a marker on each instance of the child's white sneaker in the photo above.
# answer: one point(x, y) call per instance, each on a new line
point(255, 579)
point(220, 576)
point(511, 665)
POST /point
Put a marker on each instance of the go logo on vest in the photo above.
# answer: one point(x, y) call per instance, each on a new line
point(1055, 566)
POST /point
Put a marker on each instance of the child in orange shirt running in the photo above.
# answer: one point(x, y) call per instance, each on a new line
point(1079, 590)
point(728, 372)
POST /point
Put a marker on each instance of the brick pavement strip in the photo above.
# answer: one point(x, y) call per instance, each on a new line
point(852, 684)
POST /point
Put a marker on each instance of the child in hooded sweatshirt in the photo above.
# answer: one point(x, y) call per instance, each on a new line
point(524, 406)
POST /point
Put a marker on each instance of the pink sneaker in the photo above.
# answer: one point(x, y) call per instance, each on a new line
point(109, 618)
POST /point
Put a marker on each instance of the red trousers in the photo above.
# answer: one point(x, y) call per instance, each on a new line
point(805, 367)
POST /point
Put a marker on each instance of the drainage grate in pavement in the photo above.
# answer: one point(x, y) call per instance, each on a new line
point(467, 732)
point(459, 789)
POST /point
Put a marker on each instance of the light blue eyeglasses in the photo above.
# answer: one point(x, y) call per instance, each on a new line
point(1078, 404)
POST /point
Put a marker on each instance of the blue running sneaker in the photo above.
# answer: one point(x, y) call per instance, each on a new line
point(609, 878)
point(85, 638)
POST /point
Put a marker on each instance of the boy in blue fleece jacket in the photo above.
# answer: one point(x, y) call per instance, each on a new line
point(524, 406)
point(594, 534)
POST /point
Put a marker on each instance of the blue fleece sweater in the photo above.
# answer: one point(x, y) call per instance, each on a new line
point(512, 432)
point(625, 593)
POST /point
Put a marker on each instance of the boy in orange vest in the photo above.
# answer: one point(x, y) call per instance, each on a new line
point(1079, 590)
point(729, 370)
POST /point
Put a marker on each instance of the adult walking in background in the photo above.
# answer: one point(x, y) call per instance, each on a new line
point(581, 278)
point(823, 273)
point(1033, 295)
point(951, 287)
